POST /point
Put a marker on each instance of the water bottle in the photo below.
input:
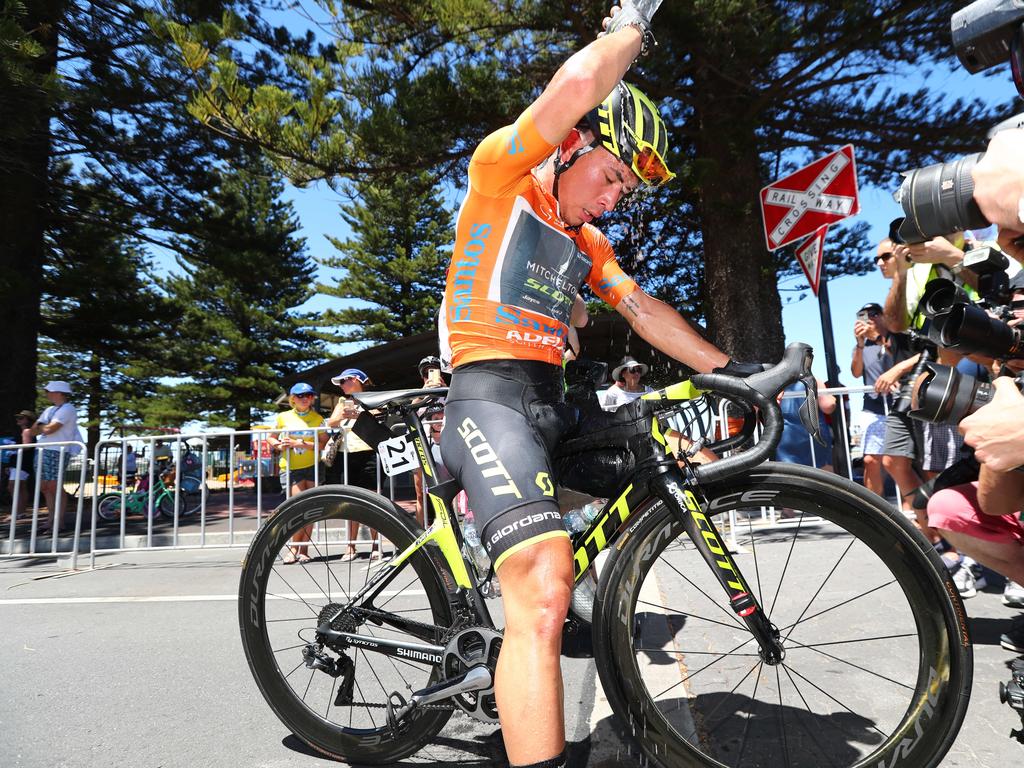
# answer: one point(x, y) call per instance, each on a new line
point(475, 551)
point(579, 519)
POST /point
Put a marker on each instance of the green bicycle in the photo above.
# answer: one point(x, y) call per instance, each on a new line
point(834, 637)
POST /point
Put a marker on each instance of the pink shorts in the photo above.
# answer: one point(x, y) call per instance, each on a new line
point(956, 509)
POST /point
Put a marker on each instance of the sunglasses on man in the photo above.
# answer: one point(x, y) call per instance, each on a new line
point(883, 257)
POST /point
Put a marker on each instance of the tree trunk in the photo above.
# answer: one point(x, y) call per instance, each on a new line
point(24, 197)
point(94, 408)
point(744, 311)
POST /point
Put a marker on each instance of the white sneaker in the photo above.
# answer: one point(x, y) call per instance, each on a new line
point(964, 581)
point(1013, 594)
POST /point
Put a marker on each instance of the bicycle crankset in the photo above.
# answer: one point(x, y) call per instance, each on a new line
point(471, 648)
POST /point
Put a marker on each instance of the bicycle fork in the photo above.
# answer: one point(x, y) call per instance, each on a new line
point(708, 541)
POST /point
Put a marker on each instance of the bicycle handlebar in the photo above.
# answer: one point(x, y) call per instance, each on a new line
point(758, 390)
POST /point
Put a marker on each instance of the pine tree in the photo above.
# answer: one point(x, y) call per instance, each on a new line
point(101, 317)
point(395, 260)
point(244, 273)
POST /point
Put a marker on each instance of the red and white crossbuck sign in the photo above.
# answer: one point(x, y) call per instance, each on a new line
point(800, 204)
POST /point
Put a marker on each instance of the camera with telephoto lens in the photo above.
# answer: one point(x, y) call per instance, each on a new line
point(904, 402)
point(1012, 693)
point(939, 199)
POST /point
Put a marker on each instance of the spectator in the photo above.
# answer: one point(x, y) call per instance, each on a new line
point(295, 437)
point(996, 539)
point(21, 478)
point(626, 387)
point(430, 373)
point(796, 445)
point(57, 424)
point(871, 358)
point(130, 466)
point(359, 460)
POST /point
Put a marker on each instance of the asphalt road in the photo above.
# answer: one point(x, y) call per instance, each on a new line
point(138, 663)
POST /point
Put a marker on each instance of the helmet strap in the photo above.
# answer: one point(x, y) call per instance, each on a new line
point(560, 168)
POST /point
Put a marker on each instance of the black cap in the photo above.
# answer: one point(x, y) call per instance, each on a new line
point(871, 305)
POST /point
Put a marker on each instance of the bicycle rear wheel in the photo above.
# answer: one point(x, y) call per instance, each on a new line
point(878, 663)
point(281, 605)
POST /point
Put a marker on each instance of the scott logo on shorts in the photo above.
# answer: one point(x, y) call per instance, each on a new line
point(487, 459)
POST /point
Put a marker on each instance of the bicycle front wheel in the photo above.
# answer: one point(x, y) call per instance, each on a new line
point(306, 565)
point(877, 659)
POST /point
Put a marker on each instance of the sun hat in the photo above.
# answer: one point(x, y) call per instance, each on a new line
point(350, 373)
point(58, 386)
point(629, 362)
point(302, 388)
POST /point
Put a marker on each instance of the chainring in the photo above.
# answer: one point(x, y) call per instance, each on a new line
point(467, 648)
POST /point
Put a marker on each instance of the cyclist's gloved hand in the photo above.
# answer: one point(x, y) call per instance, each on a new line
point(740, 370)
point(633, 13)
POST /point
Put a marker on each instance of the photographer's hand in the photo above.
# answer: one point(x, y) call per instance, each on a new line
point(938, 250)
point(996, 432)
point(999, 180)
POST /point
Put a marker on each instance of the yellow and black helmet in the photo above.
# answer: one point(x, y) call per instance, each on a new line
point(628, 125)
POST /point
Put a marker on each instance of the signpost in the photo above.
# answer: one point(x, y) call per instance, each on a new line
point(800, 207)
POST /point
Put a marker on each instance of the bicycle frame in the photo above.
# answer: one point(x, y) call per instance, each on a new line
point(657, 479)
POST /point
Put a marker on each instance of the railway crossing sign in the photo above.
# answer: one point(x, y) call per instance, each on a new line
point(818, 194)
point(809, 254)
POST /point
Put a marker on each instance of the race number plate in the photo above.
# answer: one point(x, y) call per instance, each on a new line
point(397, 455)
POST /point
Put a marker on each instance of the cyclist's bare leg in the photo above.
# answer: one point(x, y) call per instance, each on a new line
point(536, 587)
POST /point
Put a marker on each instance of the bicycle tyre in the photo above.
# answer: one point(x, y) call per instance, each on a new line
point(108, 509)
point(681, 730)
point(374, 745)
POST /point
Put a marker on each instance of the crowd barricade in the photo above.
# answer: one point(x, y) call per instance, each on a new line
point(197, 491)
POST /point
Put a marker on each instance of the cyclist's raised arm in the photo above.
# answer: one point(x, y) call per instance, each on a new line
point(583, 82)
point(666, 330)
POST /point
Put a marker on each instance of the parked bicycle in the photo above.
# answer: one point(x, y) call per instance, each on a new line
point(835, 638)
point(137, 502)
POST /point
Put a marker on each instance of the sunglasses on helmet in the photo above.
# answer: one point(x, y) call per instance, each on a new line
point(648, 164)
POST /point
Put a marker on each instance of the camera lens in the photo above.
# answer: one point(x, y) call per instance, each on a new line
point(969, 329)
point(939, 199)
point(944, 395)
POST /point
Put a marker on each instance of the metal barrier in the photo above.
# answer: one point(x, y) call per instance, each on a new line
point(203, 508)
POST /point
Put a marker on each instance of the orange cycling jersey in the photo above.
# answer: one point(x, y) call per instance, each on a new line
point(517, 267)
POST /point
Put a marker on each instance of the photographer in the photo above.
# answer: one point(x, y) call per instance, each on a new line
point(999, 188)
point(871, 358)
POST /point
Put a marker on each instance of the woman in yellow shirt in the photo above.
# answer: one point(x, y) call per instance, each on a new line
point(300, 446)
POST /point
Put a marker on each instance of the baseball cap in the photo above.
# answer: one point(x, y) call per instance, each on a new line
point(871, 307)
point(58, 386)
point(350, 373)
point(302, 388)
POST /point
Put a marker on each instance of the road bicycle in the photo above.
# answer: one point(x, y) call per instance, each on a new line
point(832, 636)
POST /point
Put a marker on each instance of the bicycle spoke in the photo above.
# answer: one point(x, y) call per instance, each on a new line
point(732, 617)
point(785, 567)
point(857, 666)
point(833, 698)
point(710, 715)
point(670, 612)
point(820, 587)
point(706, 666)
point(832, 608)
point(782, 715)
point(757, 569)
point(750, 715)
point(807, 709)
point(856, 640)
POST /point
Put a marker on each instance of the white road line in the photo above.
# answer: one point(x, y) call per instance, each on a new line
point(171, 598)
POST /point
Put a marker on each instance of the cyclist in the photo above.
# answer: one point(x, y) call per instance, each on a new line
point(524, 245)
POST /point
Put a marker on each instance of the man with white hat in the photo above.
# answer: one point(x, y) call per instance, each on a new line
point(57, 424)
point(627, 386)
